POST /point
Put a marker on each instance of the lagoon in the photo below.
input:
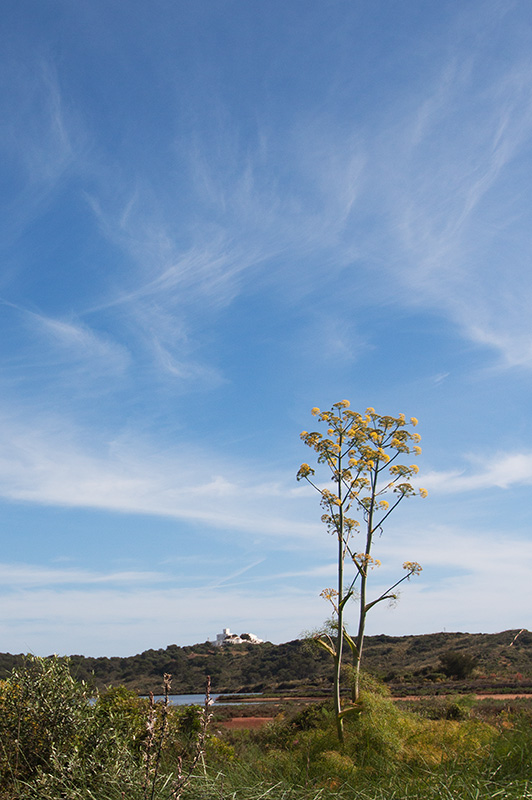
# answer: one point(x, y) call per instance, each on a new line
point(199, 699)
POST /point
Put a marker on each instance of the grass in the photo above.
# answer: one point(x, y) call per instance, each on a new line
point(55, 744)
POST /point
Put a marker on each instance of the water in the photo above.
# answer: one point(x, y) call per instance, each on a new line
point(199, 699)
point(185, 699)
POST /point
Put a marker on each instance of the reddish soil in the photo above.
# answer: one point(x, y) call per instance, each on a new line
point(501, 696)
point(245, 723)
point(477, 696)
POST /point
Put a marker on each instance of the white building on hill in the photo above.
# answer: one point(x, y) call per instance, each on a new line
point(226, 637)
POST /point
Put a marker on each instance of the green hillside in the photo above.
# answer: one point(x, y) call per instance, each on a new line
point(407, 663)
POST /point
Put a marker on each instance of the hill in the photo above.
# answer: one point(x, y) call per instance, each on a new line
point(407, 663)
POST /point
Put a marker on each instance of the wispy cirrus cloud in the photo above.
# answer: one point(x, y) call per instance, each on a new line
point(47, 463)
point(456, 180)
point(43, 143)
point(503, 471)
point(80, 343)
point(248, 227)
point(66, 351)
point(442, 174)
point(27, 575)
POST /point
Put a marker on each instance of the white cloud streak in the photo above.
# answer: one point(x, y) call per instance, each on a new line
point(503, 471)
point(27, 575)
point(79, 342)
point(49, 466)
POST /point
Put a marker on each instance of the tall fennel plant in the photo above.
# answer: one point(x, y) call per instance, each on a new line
point(362, 454)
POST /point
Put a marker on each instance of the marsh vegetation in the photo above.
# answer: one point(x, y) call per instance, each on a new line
point(58, 743)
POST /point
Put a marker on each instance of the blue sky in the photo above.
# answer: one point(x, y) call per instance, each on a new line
point(217, 215)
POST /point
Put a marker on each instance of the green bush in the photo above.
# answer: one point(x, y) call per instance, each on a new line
point(457, 665)
point(43, 712)
point(122, 711)
point(54, 742)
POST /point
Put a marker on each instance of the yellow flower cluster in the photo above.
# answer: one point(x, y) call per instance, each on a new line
point(364, 560)
point(304, 471)
point(357, 448)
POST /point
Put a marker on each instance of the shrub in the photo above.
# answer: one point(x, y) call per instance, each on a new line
point(55, 743)
point(122, 711)
point(43, 712)
point(457, 665)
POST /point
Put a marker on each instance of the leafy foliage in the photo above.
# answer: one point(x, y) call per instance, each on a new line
point(457, 665)
point(58, 741)
point(64, 746)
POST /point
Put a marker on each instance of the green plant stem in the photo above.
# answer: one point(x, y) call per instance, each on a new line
point(340, 633)
point(355, 691)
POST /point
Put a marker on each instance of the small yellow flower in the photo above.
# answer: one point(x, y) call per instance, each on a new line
point(315, 411)
point(329, 594)
point(303, 434)
point(344, 403)
point(414, 468)
point(413, 567)
point(384, 504)
point(365, 561)
point(401, 417)
point(423, 492)
point(370, 410)
point(413, 420)
point(304, 471)
point(417, 450)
